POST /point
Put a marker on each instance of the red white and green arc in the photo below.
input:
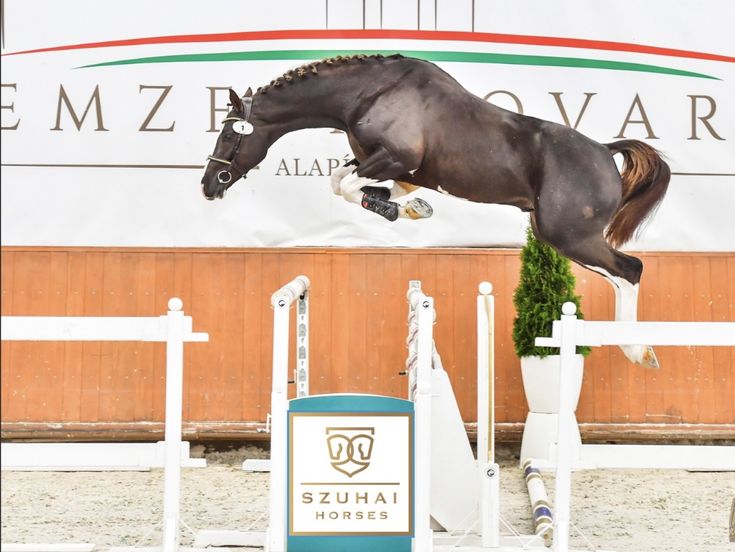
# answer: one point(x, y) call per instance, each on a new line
point(447, 55)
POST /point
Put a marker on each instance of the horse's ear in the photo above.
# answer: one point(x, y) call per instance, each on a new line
point(235, 100)
point(248, 93)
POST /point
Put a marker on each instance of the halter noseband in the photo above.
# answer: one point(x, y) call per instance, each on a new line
point(225, 176)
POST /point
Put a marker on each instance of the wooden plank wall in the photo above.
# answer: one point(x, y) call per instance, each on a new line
point(358, 312)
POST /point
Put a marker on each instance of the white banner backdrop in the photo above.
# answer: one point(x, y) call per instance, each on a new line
point(111, 155)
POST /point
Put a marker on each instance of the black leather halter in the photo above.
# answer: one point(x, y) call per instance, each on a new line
point(225, 176)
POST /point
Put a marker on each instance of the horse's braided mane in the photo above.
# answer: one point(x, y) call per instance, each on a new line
point(311, 68)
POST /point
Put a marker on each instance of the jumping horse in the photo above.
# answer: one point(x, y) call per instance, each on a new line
point(410, 122)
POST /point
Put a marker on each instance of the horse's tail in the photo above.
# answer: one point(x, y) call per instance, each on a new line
point(645, 180)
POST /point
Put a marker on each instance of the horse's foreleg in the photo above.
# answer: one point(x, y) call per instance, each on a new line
point(382, 166)
point(337, 176)
point(362, 191)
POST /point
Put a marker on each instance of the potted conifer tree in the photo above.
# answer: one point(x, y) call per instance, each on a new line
point(546, 283)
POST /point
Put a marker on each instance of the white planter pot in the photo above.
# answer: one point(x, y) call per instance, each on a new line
point(541, 384)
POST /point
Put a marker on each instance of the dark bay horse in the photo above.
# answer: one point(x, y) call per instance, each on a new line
point(410, 122)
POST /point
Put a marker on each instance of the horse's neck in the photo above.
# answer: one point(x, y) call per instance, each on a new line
point(315, 102)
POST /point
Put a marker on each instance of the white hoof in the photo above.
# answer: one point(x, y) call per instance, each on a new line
point(641, 354)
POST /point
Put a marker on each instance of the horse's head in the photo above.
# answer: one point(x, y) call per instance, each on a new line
point(240, 146)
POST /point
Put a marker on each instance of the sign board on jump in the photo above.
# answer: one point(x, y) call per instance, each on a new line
point(350, 473)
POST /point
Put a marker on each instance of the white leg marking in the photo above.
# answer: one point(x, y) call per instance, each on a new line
point(626, 295)
point(350, 187)
point(337, 176)
point(626, 310)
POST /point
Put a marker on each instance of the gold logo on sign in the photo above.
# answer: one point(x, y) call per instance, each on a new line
point(350, 448)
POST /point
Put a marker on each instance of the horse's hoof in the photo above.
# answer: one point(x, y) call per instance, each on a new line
point(649, 359)
point(417, 208)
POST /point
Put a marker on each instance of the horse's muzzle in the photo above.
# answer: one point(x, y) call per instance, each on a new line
point(224, 181)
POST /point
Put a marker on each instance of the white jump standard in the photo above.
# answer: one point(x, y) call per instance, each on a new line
point(355, 472)
point(174, 329)
point(567, 334)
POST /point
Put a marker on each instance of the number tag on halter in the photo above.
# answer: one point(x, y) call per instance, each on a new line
point(242, 127)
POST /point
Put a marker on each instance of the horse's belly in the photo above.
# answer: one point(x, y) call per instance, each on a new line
point(487, 191)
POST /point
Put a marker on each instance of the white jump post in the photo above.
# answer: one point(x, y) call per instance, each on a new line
point(421, 343)
point(452, 488)
point(567, 334)
point(281, 301)
point(489, 470)
point(174, 329)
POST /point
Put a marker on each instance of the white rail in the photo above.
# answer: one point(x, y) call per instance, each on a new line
point(174, 329)
point(567, 334)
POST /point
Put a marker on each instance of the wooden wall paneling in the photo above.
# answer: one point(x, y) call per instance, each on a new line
point(675, 362)
point(357, 338)
point(201, 391)
point(592, 298)
point(700, 377)
point(233, 372)
point(185, 286)
point(456, 291)
point(145, 304)
point(393, 357)
point(92, 351)
point(339, 330)
point(165, 287)
point(270, 282)
point(730, 374)
point(516, 397)
point(41, 291)
point(409, 269)
point(723, 309)
point(603, 373)
point(25, 354)
point(7, 280)
point(377, 308)
point(21, 354)
point(320, 324)
point(689, 369)
point(357, 322)
point(437, 281)
point(595, 401)
point(116, 392)
point(73, 357)
point(130, 365)
point(255, 403)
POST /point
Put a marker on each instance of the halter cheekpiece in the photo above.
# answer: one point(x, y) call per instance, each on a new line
point(243, 127)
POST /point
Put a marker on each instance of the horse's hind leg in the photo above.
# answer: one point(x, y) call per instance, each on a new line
point(622, 271)
point(626, 309)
